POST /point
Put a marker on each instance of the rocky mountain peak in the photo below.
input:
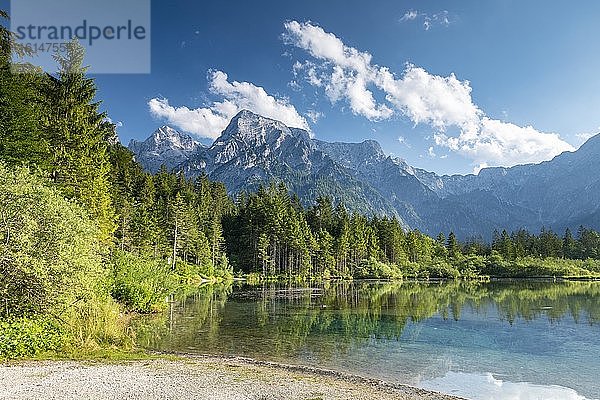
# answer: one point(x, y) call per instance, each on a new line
point(166, 146)
point(253, 129)
point(165, 136)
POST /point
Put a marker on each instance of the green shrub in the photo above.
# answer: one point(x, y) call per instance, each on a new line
point(471, 266)
point(28, 337)
point(442, 269)
point(140, 283)
point(96, 324)
point(50, 252)
point(373, 269)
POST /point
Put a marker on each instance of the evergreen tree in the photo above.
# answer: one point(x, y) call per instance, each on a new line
point(78, 134)
point(569, 245)
point(453, 246)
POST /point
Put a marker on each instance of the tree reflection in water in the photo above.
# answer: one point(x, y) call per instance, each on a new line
point(279, 321)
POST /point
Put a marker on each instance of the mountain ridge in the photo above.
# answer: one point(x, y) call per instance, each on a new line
point(254, 150)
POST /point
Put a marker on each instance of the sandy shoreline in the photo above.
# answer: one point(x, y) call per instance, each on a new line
point(192, 377)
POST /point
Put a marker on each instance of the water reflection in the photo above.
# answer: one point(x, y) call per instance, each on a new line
point(408, 332)
point(487, 387)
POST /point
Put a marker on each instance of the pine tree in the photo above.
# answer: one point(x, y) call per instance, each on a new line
point(453, 246)
point(569, 245)
point(78, 135)
point(505, 246)
point(21, 139)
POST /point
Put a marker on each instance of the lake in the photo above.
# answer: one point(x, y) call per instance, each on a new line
point(483, 341)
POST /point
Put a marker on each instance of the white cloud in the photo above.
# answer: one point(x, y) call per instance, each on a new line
point(443, 103)
point(294, 85)
point(442, 18)
point(204, 122)
point(351, 69)
point(426, 98)
point(314, 115)
point(117, 124)
point(503, 143)
point(245, 95)
point(584, 136)
point(479, 167)
point(402, 140)
point(208, 122)
point(409, 15)
point(431, 152)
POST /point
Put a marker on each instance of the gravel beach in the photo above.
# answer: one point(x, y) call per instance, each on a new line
point(192, 378)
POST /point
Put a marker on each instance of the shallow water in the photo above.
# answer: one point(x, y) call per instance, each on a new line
point(500, 341)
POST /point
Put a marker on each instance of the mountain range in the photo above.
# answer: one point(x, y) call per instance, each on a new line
point(254, 150)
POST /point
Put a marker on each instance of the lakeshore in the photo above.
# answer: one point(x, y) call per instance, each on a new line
point(193, 377)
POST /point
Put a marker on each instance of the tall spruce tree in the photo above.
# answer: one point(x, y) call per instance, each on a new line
point(78, 134)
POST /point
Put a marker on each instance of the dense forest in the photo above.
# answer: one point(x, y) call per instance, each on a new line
point(86, 233)
point(271, 234)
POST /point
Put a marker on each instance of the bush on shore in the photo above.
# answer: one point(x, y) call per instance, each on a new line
point(141, 283)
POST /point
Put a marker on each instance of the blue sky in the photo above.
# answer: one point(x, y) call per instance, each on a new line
point(524, 88)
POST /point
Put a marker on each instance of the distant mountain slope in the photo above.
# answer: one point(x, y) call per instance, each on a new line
point(560, 193)
point(254, 150)
point(165, 146)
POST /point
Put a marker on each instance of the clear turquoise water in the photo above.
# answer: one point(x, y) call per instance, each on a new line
point(501, 341)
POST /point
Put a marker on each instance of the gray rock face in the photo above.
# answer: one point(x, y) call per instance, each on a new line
point(165, 146)
point(255, 150)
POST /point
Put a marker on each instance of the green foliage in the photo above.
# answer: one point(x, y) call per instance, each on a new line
point(28, 337)
point(142, 284)
point(373, 269)
point(21, 139)
point(549, 267)
point(50, 255)
point(167, 217)
point(269, 233)
point(96, 324)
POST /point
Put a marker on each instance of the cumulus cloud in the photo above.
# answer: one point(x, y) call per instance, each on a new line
point(503, 143)
point(205, 122)
point(444, 103)
point(208, 122)
point(426, 98)
point(351, 69)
